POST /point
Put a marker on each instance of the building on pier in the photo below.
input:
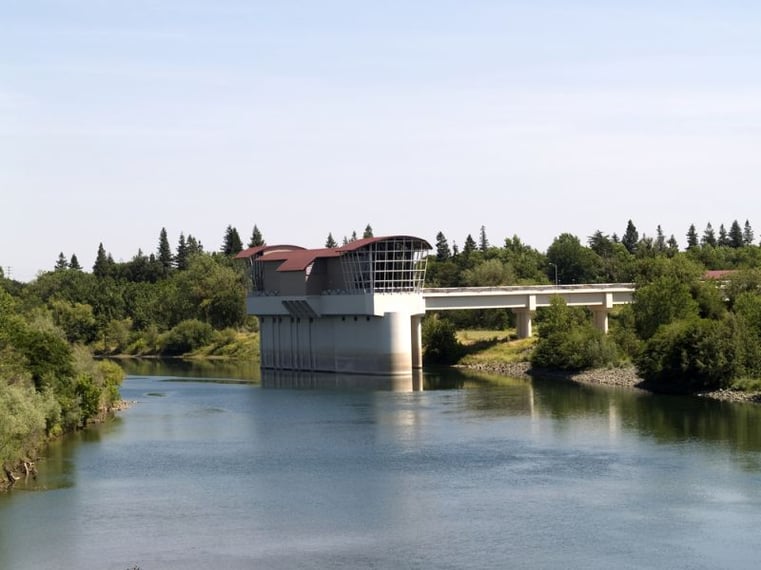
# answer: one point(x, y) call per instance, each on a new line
point(354, 309)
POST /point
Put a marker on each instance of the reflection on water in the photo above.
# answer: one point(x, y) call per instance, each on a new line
point(287, 379)
point(326, 471)
point(230, 369)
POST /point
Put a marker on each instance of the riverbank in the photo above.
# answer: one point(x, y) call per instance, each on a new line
point(625, 376)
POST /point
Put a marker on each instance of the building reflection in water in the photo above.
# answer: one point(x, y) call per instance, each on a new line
point(292, 379)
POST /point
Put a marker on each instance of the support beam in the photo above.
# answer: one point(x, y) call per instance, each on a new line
point(523, 319)
point(417, 341)
point(601, 319)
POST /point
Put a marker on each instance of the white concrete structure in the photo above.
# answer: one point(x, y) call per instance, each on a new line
point(524, 300)
point(357, 309)
point(354, 309)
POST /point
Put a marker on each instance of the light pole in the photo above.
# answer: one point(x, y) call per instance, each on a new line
point(555, 265)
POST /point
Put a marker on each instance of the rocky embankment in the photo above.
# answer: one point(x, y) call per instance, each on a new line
point(625, 376)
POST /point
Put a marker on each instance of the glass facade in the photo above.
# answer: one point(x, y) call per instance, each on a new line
point(391, 265)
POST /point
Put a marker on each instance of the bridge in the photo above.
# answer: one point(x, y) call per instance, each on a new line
point(358, 308)
point(523, 300)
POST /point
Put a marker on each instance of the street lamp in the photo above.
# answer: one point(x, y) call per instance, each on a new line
point(555, 265)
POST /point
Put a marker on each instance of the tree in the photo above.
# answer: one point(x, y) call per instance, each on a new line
point(575, 263)
point(194, 246)
point(164, 252)
point(660, 240)
point(631, 237)
point(102, 267)
point(723, 238)
point(330, 242)
point(231, 244)
point(469, 247)
point(181, 257)
point(672, 247)
point(692, 237)
point(256, 238)
point(709, 236)
point(747, 234)
point(74, 263)
point(735, 235)
point(442, 247)
point(353, 236)
point(483, 243)
point(368, 233)
point(455, 249)
point(62, 264)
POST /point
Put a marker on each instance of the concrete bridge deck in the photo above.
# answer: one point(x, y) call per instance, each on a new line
point(523, 300)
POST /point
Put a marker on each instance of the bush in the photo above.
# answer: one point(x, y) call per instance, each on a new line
point(692, 355)
point(440, 341)
point(187, 336)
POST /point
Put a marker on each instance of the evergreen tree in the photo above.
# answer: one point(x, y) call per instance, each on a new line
point(455, 249)
point(330, 242)
point(194, 246)
point(74, 263)
point(723, 237)
point(231, 244)
point(353, 236)
point(709, 236)
point(368, 232)
point(62, 264)
point(672, 247)
point(483, 243)
point(181, 258)
point(660, 240)
point(692, 237)
point(256, 238)
point(442, 247)
point(735, 235)
point(345, 241)
point(601, 244)
point(469, 247)
point(101, 268)
point(164, 251)
point(747, 234)
point(631, 237)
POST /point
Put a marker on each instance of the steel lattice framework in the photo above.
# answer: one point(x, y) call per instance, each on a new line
point(392, 265)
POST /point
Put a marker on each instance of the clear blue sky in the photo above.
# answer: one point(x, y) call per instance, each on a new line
point(308, 117)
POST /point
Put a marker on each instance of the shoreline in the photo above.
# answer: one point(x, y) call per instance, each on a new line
point(625, 377)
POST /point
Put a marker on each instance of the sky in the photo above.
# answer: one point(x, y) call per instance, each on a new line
point(415, 116)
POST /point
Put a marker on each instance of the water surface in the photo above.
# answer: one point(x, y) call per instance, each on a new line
point(471, 472)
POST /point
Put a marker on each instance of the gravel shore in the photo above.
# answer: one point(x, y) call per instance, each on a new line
point(625, 376)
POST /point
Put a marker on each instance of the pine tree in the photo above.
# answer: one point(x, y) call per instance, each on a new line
point(353, 236)
point(330, 242)
point(164, 251)
point(62, 264)
point(100, 268)
point(735, 235)
point(709, 236)
point(74, 263)
point(692, 237)
point(231, 244)
point(660, 240)
point(747, 234)
point(631, 237)
point(455, 249)
point(483, 243)
point(181, 257)
point(442, 247)
point(723, 238)
point(672, 247)
point(256, 238)
point(368, 233)
point(469, 247)
point(194, 246)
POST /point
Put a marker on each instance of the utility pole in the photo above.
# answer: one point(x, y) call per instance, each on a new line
point(555, 265)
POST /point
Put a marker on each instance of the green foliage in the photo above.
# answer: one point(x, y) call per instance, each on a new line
point(575, 263)
point(186, 337)
point(569, 341)
point(440, 341)
point(661, 302)
point(231, 243)
point(22, 421)
point(692, 354)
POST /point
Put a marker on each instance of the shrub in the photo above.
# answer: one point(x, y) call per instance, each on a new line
point(187, 336)
point(440, 341)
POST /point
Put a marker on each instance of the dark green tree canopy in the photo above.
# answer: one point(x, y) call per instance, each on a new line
point(442, 247)
point(62, 264)
point(735, 235)
point(231, 244)
point(709, 236)
point(164, 252)
point(470, 246)
point(631, 237)
point(483, 242)
point(368, 233)
point(330, 242)
point(74, 263)
point(256, 238)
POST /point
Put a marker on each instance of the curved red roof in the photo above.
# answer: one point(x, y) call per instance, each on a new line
point(266, 250)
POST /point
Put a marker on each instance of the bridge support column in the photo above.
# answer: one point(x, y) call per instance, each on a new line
point(601, 319)
point(523, 319)
point(417, 342)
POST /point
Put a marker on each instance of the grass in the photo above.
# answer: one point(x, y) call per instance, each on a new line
point(483, 346)
point(747, 384)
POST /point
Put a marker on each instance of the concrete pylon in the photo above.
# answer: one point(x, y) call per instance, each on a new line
point(523, 323)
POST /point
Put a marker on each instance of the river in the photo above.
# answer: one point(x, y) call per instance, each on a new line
point(211, 469)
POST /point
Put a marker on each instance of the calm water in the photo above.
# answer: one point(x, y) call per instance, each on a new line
point(469, 473)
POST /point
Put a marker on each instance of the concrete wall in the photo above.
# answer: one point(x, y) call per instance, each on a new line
point(359, 344)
